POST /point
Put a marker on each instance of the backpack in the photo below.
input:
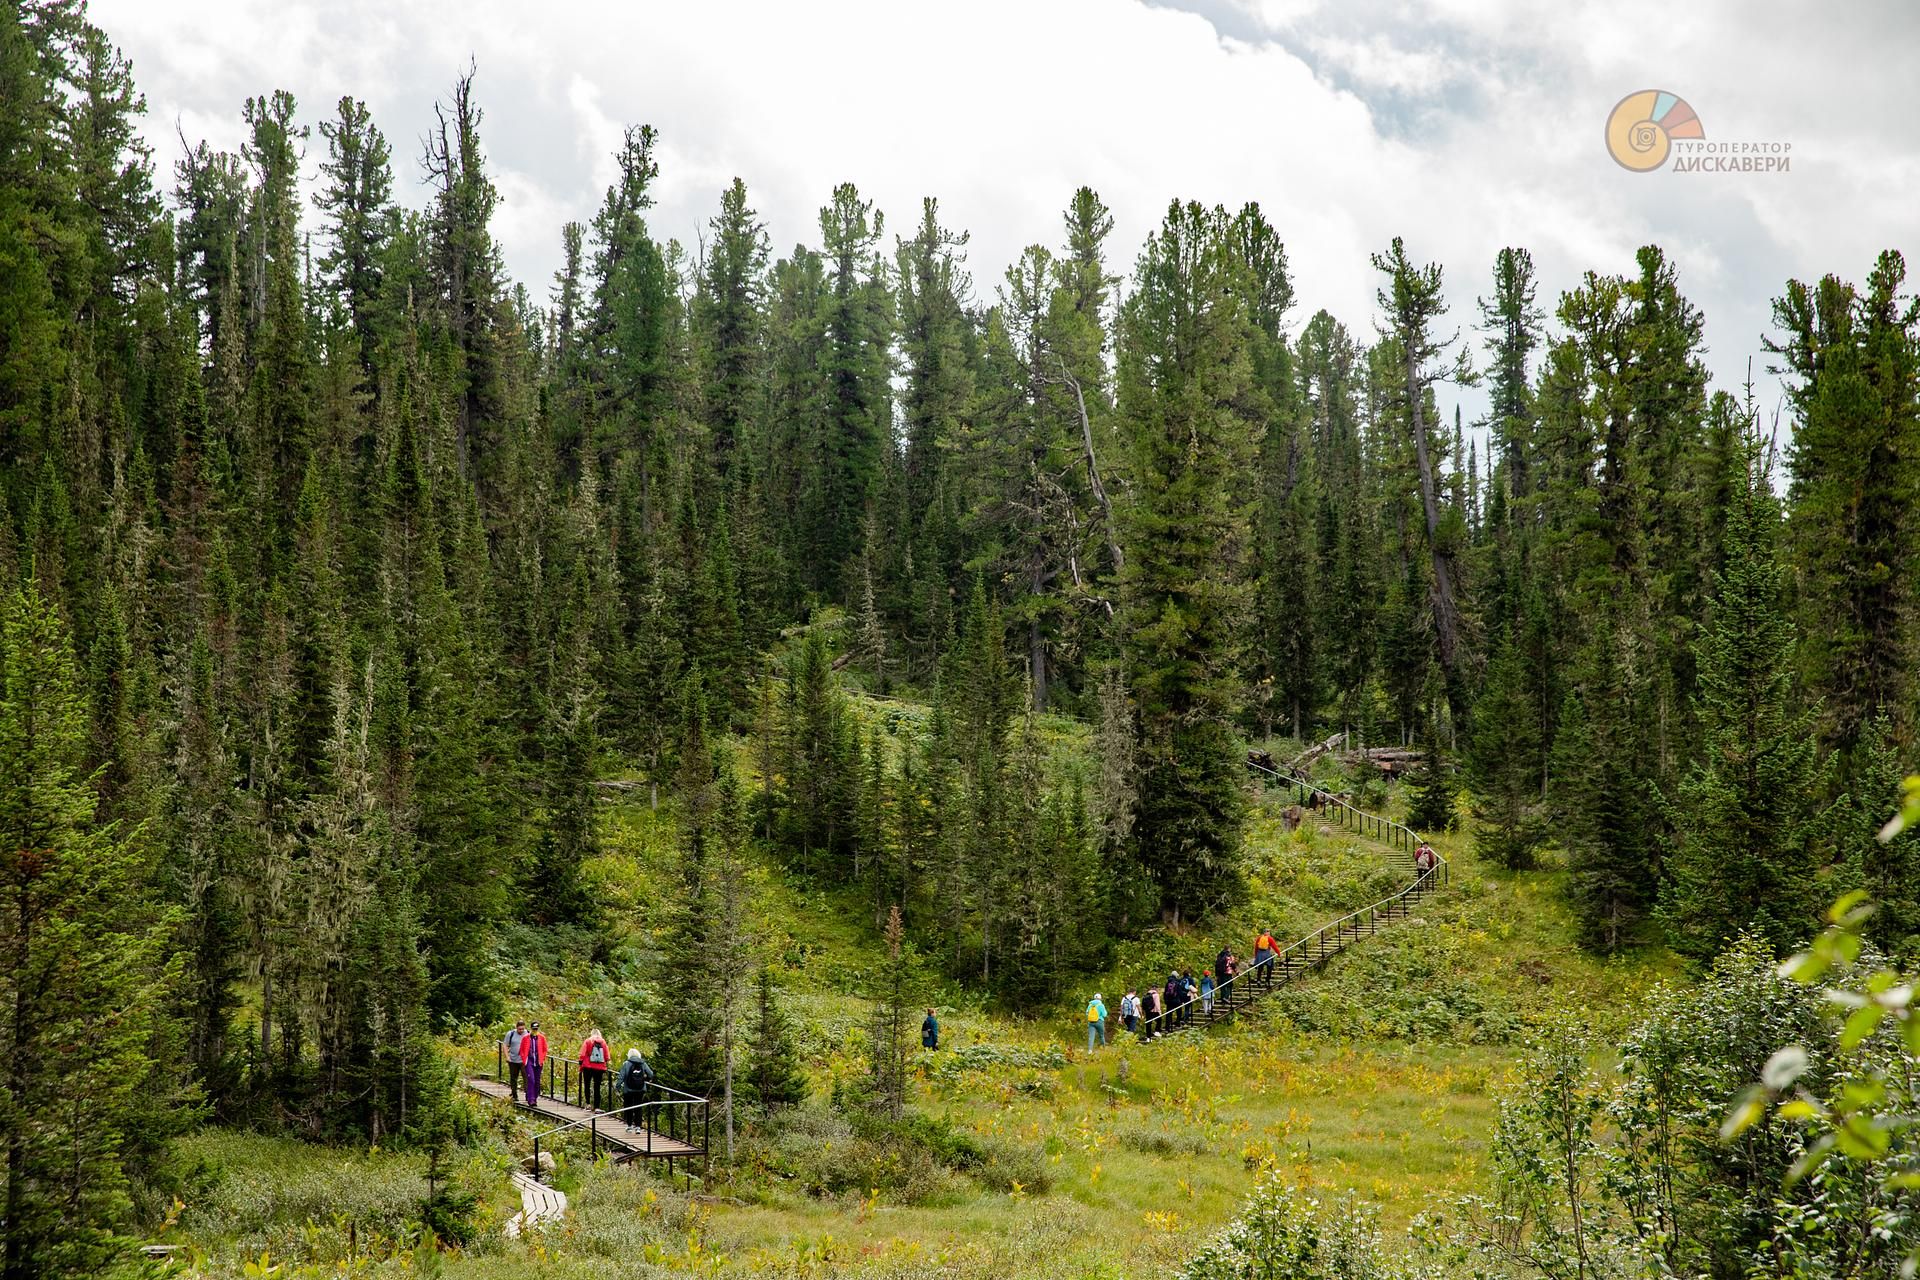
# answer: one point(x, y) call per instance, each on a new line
point(1093, 1013)
point(597, 1054)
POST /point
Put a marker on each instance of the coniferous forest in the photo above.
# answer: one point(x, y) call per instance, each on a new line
point(349, 586)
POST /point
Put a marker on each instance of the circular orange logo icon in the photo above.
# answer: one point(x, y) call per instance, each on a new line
point(1641, 128)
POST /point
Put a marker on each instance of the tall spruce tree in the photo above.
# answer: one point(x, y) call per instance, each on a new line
point(1745, 846)
point(1412, 303)
point(1853, 360)
point(82, 968)
point(1186, 379)
point(1887, 870)
point(1606, 809)
point(888, 1041)
point(681, 1015)
point(357, 201)
point(729, 324)
point(852, 423)
point(774, 1075)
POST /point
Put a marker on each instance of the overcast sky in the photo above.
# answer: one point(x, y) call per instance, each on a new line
point(1462, 125)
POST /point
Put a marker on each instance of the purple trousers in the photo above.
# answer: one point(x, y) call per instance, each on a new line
point(533, 1082)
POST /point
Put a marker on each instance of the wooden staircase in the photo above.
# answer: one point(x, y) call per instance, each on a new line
point(1254, 983)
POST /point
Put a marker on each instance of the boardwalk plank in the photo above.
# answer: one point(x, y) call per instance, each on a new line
point(613, 1132)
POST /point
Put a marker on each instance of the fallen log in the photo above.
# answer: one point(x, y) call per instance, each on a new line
point(1315, 751)
point(1386, 759)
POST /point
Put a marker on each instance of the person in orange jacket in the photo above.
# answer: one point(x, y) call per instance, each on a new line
point(595, 1060)
point(534, 1050)
point(1263, 951)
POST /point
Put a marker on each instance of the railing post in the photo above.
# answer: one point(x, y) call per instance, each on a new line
point(536, 1157)
point(594, 1140)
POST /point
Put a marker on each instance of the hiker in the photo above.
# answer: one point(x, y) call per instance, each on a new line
point(595, 1061)
point(1173, 997)
point(1220, 963)
point(1096, 1022)
point(1424, 858)
point(533, 1051)
point(930, 1031)
point(1263, 950)
point(1130, 1011)
point(1150, 1012)
point(1206, 992)
point(635, 1078)
point(512, 1044)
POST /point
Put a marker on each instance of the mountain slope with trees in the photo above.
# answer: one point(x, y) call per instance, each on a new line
point(340, 571)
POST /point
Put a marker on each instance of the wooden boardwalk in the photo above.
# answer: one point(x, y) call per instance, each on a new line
point(539, 1204)
point(628, 1144)
point(1252, 985)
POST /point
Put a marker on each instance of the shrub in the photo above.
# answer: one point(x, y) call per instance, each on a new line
point(1283, 1232)
point(912, 1160)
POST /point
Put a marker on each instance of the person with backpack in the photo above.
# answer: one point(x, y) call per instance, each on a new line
point(1206, 992)
point(1172, 996)
point(1096, 1022)
point(633, 1082)
point(1130, 1012)
point(930, 1032)
point(1263, 949)
point(516, 1063)
point(1425, 859)
point(1150, 1013)
point(595, 1061)
point(534, 1051)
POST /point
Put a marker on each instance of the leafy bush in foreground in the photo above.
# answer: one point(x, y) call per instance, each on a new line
point(1285, 1232)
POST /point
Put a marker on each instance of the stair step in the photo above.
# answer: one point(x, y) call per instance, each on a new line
point(1323, 947)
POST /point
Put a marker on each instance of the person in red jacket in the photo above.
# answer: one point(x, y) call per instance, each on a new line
point(534, 1050)
point(595, 1058)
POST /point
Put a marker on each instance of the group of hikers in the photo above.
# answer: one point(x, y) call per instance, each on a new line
point(1167, 1008)
point(1161, 1010)
point(527, 1055)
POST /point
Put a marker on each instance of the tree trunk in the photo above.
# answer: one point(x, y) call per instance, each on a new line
point(266, 1012)
point(1037, 662)
point(1446, 619)
point(728, 1087)
point(18, 1265)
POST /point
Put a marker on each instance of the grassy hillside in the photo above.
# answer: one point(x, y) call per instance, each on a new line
point(1374, 1078)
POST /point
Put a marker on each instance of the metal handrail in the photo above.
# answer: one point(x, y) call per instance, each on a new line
point(566, 1078)
point(678, 1108)
point(1398, 834)
point(1227, 999)
point(669, 1107)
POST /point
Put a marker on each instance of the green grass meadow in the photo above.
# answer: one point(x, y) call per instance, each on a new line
point(1376, 1079)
